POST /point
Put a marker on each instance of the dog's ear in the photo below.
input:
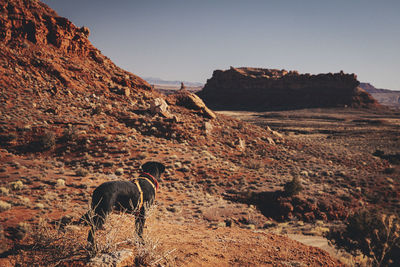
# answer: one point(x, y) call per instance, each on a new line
point(151, 165)
point(161, 167)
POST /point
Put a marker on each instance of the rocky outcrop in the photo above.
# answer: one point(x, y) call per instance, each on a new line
point(271, 89)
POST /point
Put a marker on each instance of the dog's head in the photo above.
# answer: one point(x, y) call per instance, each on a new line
point(153, 167)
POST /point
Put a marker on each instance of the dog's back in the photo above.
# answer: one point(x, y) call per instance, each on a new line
point(119, 194)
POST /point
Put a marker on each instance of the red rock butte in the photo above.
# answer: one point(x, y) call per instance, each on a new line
point(273, 89)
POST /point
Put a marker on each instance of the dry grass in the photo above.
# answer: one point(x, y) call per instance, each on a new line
point(151, 253)
point(119, 232)
point(57, 244)
point(51, 244)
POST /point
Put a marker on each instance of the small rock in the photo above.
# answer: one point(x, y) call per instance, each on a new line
point(207, 126)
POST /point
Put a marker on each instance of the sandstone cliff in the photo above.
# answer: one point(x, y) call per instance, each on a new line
point(269, 89)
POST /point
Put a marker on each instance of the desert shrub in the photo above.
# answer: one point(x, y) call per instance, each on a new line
point(81, 172)
point(378, 153)
point(392, 158)
point(293, 187)
point(254, 164)
point(4, 205)
point(19, 232)
point(23, 201)
point(39, 206)
point(70, 134)
point(371, 233)
point(5, 139)
point(389, 170)
point(50, 244)
point(17, 185)
point(46, 141)
point(141, 156)
point(97, 110)
point(4, 191)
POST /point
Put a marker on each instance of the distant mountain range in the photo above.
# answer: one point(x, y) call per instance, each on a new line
point(153, 80)
point(372, 89)
point(383, 96)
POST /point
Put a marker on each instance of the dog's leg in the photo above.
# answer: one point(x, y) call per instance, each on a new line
point(100, 210)
point(139, 223)
point(98, 221)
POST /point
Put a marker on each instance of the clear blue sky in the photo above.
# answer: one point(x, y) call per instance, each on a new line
point(187, 40)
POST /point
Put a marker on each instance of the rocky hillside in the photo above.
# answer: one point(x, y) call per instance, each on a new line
point(57, 54)
point(272, 89)
point(70, 119)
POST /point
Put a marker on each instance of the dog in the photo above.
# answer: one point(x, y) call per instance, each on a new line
point(134, 197)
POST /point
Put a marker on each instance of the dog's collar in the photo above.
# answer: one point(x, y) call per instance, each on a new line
point(148, 175)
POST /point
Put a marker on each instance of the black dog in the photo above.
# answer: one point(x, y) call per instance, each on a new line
point(130, 196)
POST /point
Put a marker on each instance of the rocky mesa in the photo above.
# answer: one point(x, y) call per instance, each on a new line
point(273, 89)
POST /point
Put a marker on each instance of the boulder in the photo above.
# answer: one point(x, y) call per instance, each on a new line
point(191, 101)
point(159, 106)
point(208, 127)
point(125, 91)
point(240, 144)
